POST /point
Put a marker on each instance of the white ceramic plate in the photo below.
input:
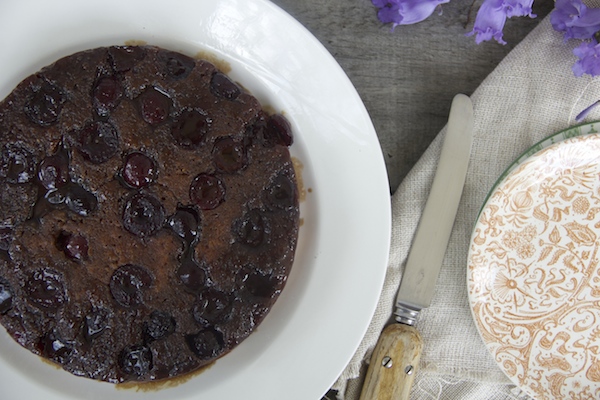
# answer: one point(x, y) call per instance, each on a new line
point(533, 273)
point(321, 316)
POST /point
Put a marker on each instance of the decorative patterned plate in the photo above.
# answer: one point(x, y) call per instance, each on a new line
point(533, 268)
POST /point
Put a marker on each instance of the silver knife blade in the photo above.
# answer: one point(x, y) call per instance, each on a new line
point(398, 351)
point(435, 226)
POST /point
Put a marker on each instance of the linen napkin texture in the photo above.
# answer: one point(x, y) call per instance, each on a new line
point(530, 95)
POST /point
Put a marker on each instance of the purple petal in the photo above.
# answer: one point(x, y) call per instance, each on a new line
point(518, 8)
point(574, 19)
point(585, 112)
point(405, 12)
point(589, 59)
point(489, 22)
point(414, 11)
point(380, 3)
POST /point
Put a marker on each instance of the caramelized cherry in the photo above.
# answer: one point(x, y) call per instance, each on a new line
point(45, 104)
point(46, 289)
point(206, 344)
point(229, 155)
point(252, 229)
point(159, 326)
point(185, 223)
point(98, 141)
point(143, 214)
point(139, 170)
point(190, 127)
point(178, 66)
point(78, 199)
point(261, 285)
point(106, 95)
point(6, 237)
point(207, 191)
point(6, 296)
point(222, 86)
point(136, 360)
point(281, 192)
point(74, 246)
point(124, 58)
point(155, 105)
point(128, 282)
point(278, 131)
point(192, 275)
point(212, 306)
point(16, 164)
point(53, 171)
point(54, 347)
point(96, 322)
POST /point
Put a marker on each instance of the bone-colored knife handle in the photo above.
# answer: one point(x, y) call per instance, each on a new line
point(393, 364)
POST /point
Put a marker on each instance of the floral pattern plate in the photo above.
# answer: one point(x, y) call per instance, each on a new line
point(533, 268)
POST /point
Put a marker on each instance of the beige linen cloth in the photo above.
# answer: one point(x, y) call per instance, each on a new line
point(530, 95)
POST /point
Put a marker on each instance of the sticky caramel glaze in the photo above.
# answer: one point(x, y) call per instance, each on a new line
point(142, 304)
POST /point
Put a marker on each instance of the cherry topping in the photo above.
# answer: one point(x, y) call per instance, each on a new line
point(256, 129)
point(96, 322)
point(128, 282)
point(222, 86)
point(54, 347)
point(261, 285)
point(53, 171)
point(16, 164)
point(124, 58)
point(252, 229)
point(79, 200)
point(97, 141)
point(186, 224)
point(139, 170)
point(159, 326)
point(178, 66)
point(6, 238)
point(75, 247)
point(143, 214)
point(136, 360)
point(229, 155)
point(155, 105)
point(190, 127)
point(206, 344)
point(46, 289)
point(278, 131)
point(6, 296)
point(281, 192)
point(106, 95)
point(212, 306)
point(207, 191)
point(45, 104)
point(192, 275)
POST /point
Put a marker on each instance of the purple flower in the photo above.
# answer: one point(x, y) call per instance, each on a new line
point(589, 59)
point(492, 15)
point(405, 12)
point(489, 22)
point(574, 19)
point(519, 8)
point(581, 116)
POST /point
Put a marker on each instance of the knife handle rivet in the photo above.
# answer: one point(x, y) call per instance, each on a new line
point(387, 362)
point(409, 370)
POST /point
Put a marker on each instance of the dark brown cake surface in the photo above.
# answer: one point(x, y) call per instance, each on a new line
point(148, 213)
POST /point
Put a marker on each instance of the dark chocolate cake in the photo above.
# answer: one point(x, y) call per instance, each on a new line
point(148, 213)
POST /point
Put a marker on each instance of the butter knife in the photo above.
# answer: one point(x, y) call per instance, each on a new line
point(396, 356)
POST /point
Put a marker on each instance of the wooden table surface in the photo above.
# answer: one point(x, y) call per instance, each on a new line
point(407, 78)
